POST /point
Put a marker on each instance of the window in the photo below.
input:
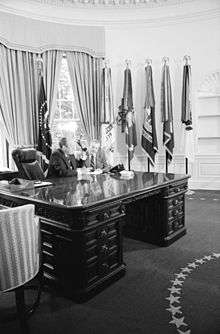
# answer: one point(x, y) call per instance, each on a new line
point(66, 122)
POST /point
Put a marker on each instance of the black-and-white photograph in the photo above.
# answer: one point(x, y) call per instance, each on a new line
point(110, 166)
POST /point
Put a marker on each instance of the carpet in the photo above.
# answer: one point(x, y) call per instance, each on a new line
point(165, 290)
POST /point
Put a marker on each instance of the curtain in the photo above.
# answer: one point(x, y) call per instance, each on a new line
point(51, 70)
point(18, 96)
point(85, 74)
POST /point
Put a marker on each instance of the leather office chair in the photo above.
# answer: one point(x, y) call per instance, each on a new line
point(28, 162)
point(20, 256)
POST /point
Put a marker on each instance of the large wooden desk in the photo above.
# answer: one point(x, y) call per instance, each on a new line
point(82, 223)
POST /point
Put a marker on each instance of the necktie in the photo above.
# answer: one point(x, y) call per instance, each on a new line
point(92, 162)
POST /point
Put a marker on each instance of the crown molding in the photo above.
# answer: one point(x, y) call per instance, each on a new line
point(109, 3)
point(175, 12)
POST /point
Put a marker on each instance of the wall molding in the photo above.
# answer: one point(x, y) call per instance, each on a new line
point(210, 84)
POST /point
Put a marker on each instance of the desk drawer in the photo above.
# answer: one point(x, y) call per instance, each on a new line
point(103, 250)
point(175, 189)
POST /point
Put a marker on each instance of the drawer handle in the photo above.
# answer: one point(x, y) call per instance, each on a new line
point(103, 216)
point(175, 212)
point(104, 267)
point(103, 234)
point(106, 215)
point(104, 249)
point(122, 209)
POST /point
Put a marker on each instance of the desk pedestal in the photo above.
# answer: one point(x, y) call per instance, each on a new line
point(158, 217)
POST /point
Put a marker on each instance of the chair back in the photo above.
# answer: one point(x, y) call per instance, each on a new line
point(19, 246)
point(28, 162)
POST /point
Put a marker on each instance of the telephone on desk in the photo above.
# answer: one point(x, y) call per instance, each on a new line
point(117, 169)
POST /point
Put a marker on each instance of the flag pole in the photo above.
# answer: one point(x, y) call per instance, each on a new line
point(186, 161)
point(129, 161)
point(148, 165)
point(166, 162)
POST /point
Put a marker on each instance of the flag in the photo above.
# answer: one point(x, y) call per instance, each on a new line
point(127, 110)
point(107, 112)
point(149, 136)
point(44, 137)
point(187, 141)
point(167, 112)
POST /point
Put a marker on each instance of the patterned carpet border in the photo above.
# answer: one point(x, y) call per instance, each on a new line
point(177, 315)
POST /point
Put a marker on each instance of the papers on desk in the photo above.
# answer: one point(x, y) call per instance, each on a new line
point(127, 174)
point(4, 184)
point(38, 184)
point(96, 172)
point(25, 184)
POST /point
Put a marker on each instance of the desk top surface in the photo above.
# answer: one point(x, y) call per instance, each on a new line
point(74, 192)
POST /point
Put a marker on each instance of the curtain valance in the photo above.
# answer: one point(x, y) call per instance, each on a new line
point(25, 34)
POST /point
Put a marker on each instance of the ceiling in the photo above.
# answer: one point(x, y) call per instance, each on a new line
point(113, 12)
point(109, 3)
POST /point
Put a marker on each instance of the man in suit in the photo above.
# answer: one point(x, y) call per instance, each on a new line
point(61, 163)
point(95, 158)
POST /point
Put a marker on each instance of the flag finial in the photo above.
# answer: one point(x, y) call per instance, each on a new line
point(39, 63)
point(187, 59)
point(165, 60)
point(148, 61)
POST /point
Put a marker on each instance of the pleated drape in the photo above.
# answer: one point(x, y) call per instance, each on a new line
point(18, 96)
point(85, 74)
point(51, 69)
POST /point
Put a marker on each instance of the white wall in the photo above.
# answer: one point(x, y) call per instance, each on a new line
point(199, 39)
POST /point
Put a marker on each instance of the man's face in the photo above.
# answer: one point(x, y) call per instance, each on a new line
point(94, 148)
point(65, 147)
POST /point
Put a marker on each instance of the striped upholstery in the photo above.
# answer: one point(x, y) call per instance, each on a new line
point(19, 246)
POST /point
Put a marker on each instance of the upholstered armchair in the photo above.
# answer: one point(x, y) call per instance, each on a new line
point(20, 259)
point(28, 162)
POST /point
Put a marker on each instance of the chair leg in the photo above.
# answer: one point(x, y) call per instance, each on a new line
point(40, 288)
point(20, 304)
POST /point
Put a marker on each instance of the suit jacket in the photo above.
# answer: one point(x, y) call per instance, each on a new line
point(100, 160)
point(60, 165)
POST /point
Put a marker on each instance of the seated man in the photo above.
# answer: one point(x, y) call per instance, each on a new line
point(61, 163)
point(95, 158)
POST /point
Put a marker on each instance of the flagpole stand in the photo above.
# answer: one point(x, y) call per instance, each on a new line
point(166, 162)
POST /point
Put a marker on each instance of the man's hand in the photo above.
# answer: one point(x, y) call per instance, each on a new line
point(84, 155)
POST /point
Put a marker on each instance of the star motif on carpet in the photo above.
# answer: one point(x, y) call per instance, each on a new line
point(174, 309)
point(181, 275)
point(193, 265)
point(201, 261)
point(207, 257)
point(178, 322)
point(173, 289)
point(177, 282)
point(173, 299)
point(186, 269)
